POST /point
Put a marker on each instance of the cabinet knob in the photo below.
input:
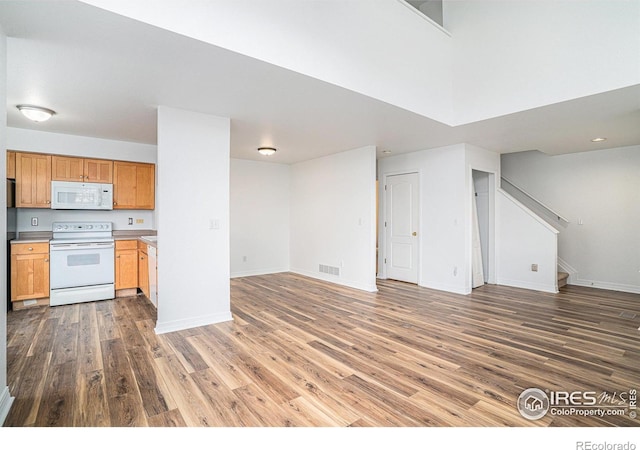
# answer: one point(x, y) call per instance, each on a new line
point(30, 248)
point(48, 201)
point(115, 203)
point(142, 257)
point(118, 256)
point(46, 260)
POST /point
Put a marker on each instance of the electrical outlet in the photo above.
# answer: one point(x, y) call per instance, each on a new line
point(130, 220)
point(534, 267)
point(34, 221)
point(139, 220)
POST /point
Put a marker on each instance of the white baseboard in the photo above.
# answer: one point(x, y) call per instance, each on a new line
point(552, 289)
point(5, 404)
point(606, 285)
point(183, 324)
point(445, 287)
point(336, 280)
point(253, 273)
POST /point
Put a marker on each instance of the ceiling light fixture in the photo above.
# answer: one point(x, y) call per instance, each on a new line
point(266, 151)
point(598, 139)
point(386, 152)
point(36, 113)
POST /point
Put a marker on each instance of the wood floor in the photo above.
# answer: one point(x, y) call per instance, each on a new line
point(305, 353)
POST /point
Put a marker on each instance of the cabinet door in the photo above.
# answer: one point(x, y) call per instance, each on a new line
point(67, 168)
point(11, 164)
point(124, 185)
point(29, 276)
point(145, 186)
point(33, 180)
point(143, 273)
point(98, 171)
point(126, 269)
point(133, 185)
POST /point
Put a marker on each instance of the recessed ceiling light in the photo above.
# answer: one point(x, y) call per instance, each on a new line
point(386, 152)
point(36, 113)
point(266, 151)
point(598, 139)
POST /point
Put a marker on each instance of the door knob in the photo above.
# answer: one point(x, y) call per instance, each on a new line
point(414, 234)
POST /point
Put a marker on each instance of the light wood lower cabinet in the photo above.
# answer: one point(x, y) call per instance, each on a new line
point(29, 271)
point(126, 264)
point(143, 269)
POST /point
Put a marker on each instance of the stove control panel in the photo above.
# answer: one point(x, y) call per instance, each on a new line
point(79, 227)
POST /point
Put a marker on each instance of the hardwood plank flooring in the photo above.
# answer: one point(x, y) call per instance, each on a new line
point(305, 353)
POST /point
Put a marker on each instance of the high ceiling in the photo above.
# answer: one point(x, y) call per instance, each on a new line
point(105, 75)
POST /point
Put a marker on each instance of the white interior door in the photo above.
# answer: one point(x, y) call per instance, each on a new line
point(402, 210)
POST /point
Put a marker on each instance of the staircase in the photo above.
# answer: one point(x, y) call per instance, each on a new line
point(562, 279)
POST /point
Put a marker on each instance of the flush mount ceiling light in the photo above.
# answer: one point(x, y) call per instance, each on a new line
point(266, 151)
point(600, 139)
point(36, 113)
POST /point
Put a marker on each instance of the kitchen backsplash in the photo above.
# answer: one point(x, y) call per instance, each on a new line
point(141, 220)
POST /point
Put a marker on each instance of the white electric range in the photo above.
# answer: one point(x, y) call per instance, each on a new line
point(82, 267)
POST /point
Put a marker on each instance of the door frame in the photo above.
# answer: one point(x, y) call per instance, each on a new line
point(491, 245)
point(382, 238)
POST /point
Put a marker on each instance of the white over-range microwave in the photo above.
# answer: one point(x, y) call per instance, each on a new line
point(76, 195)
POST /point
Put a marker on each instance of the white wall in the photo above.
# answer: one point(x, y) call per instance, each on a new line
point(446, 193)
point(66, 144)
point(333, 208)
point(193, 219)
point(524, 239)
point(516, 55)
point(5, 397)
point(600, 189)
point(259, 217)
point(364, 46)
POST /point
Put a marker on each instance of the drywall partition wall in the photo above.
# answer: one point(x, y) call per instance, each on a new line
point(508, 55)
point(444, 190)
point(65, 144)
point(193, 219)
point(524, 240)
point(5, 396)
point(599, 193)
point(333, 204)
point(259, 217)
point(364, 46)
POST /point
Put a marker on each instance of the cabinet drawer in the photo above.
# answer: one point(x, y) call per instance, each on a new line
point(126, 245)
point(30, 248)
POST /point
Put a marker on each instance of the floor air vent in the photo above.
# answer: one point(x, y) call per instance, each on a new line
point(329, 270)
point(627, 315)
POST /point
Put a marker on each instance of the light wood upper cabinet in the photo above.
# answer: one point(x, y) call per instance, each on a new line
point(126, 264)
point(69, 168)
point(133, 185)
point(98, 171)
point(33, 180)
point(29, 271)
point(11, 164)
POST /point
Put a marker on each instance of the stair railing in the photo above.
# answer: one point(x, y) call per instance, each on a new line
point(538, 202)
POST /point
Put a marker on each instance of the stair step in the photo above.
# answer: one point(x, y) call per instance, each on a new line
point(562, 279)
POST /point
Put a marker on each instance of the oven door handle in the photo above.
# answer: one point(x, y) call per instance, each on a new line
point(70, 247)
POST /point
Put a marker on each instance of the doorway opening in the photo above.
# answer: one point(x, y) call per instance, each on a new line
point(483, 228)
